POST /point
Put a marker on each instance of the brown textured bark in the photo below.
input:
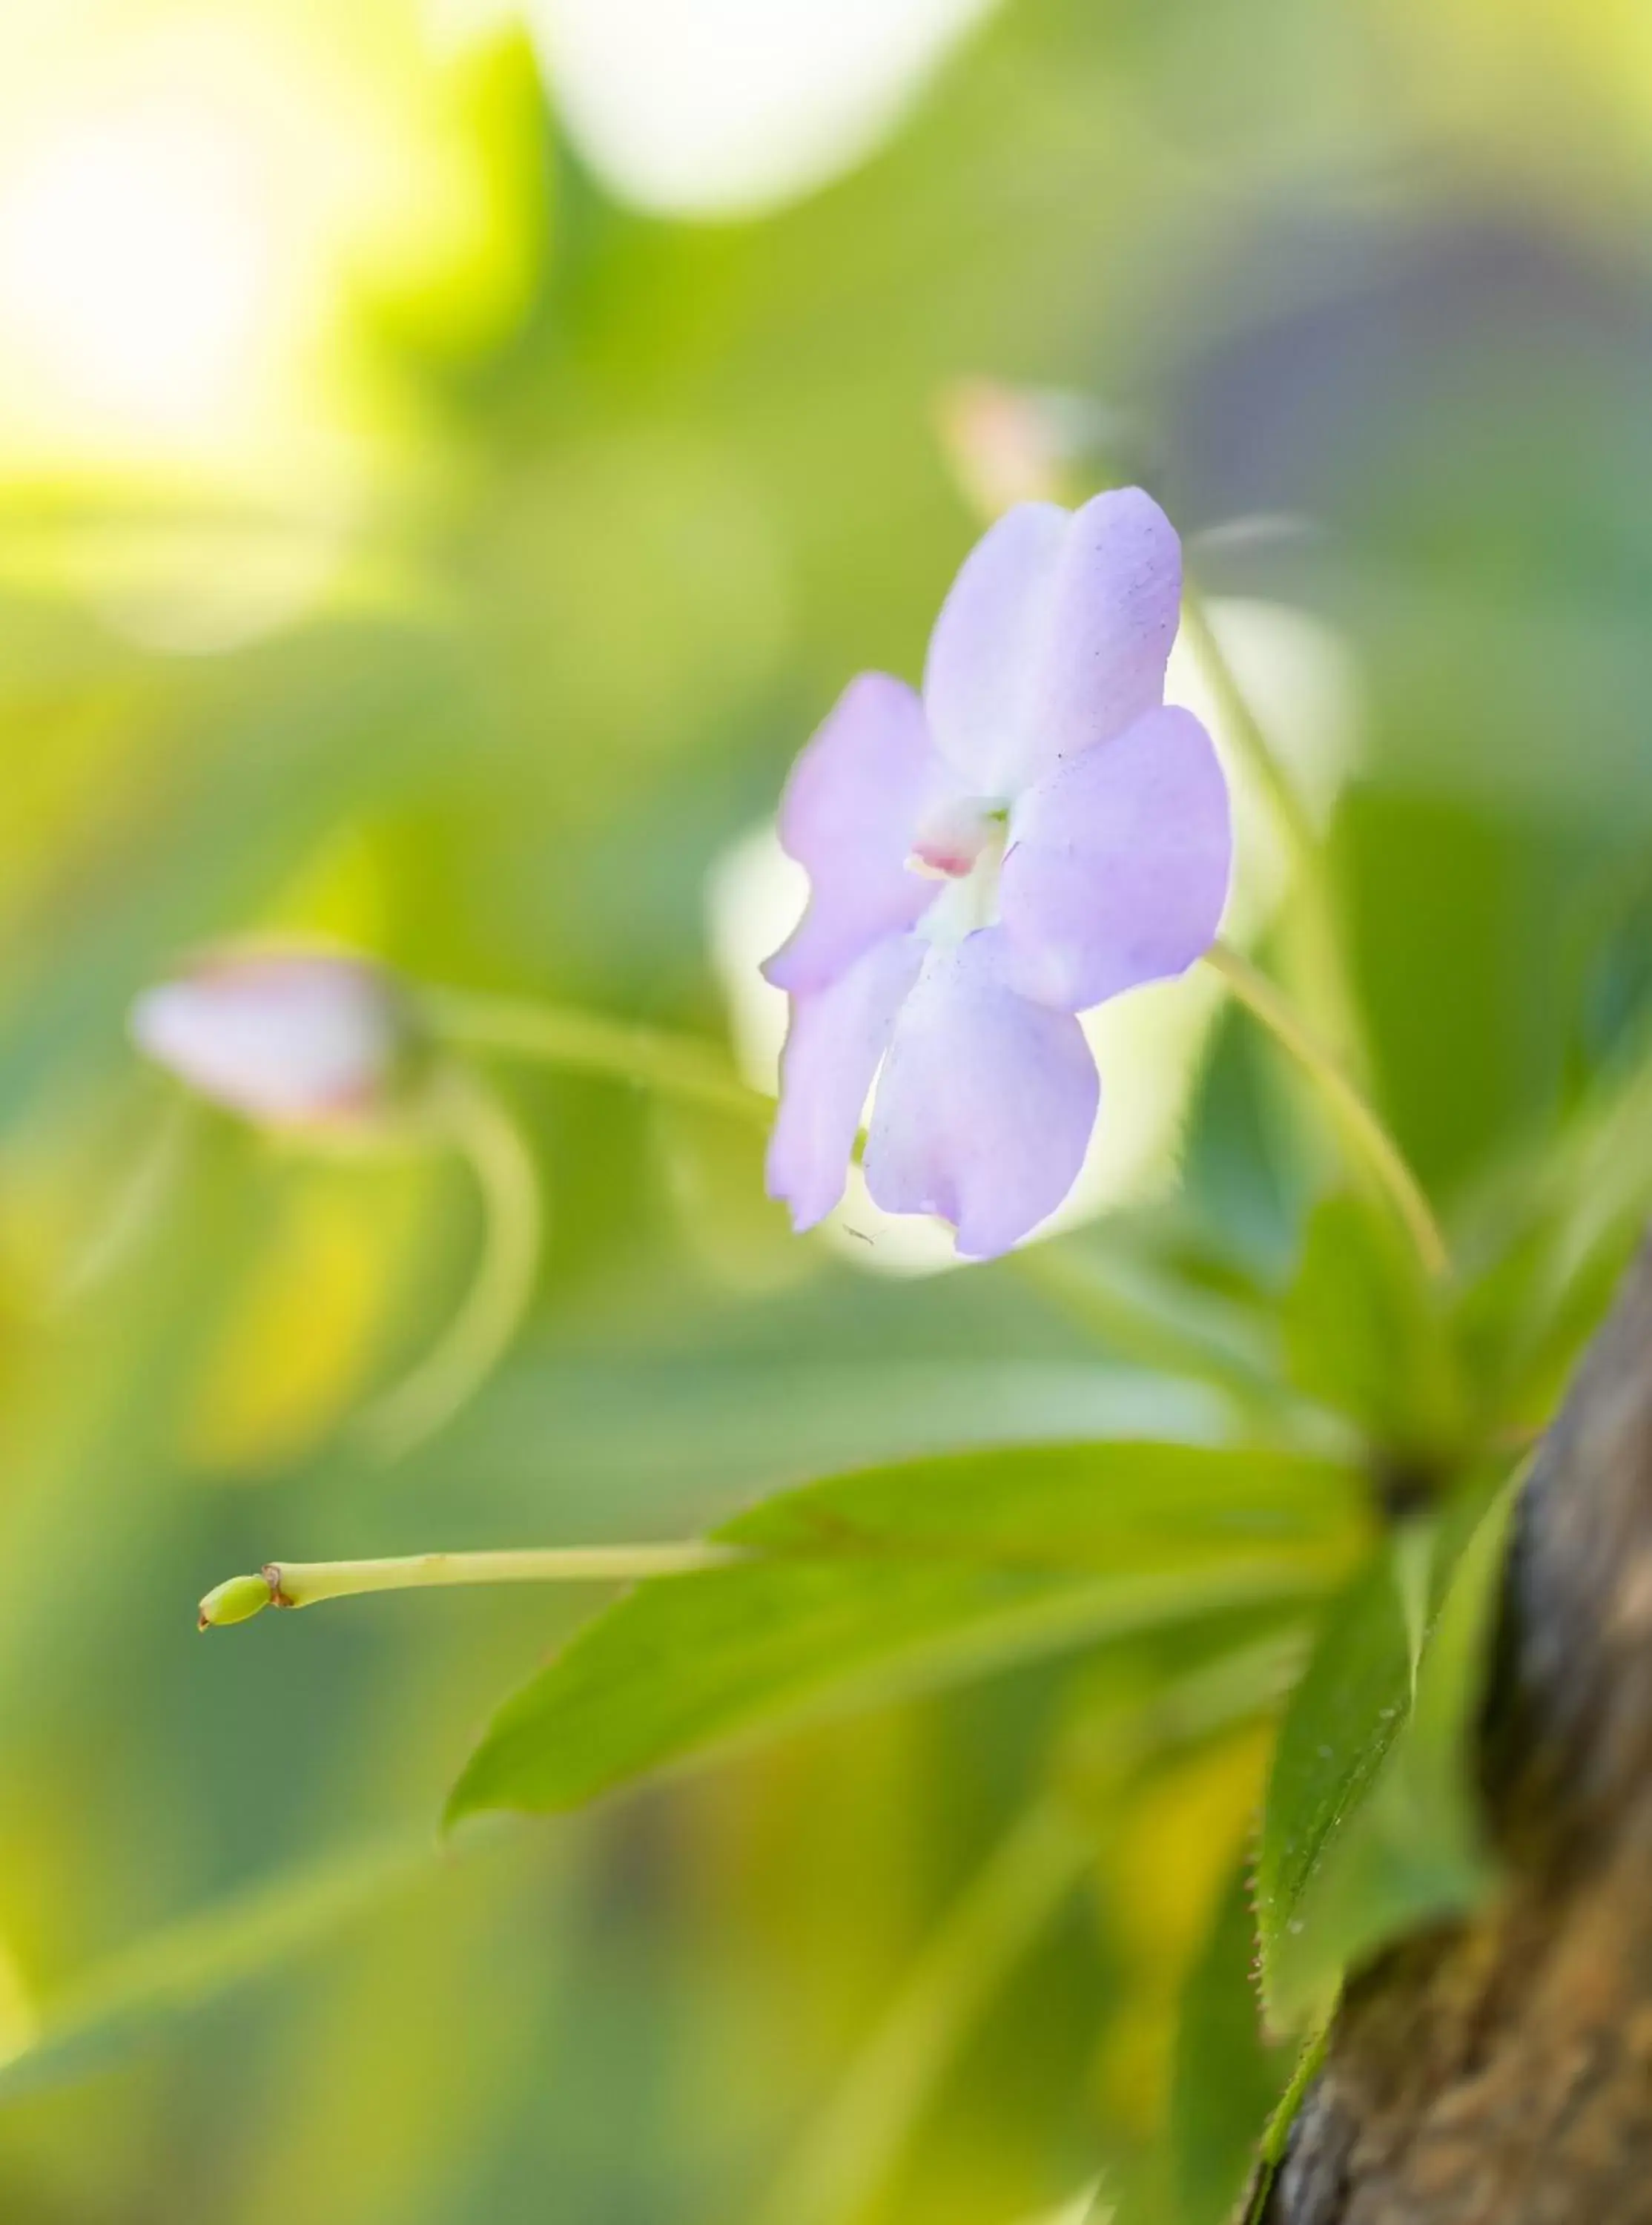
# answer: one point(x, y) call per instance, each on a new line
point(1501, 2071)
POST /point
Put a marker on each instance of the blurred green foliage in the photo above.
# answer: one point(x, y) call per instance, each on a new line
point(461, 590)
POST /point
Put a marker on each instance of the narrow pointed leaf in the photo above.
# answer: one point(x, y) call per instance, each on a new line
point(874, 1584)
point(1371, 1826)
point(249, 1935)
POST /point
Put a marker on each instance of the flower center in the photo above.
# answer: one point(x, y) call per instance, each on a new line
point(962, 844)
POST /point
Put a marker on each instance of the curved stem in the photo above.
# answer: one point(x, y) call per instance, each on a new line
point(1381, 1153)
point(590, 1043)
point(508, 1181)
point(1245, 729)
point(305, 1583)
point(128, 1213)
point(1328, 976)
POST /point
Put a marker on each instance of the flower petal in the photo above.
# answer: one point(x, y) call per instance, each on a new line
point(849, 815)
point(1055, 638)
point(985, 1104)
point(837, 1036)
point(1118, 865)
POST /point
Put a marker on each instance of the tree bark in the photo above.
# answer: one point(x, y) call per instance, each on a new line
point(1502, 2070)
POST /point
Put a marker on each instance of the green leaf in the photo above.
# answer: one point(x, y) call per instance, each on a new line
point(1228, 2077)
point(208, 1953)
point(1362, 1328)
point(1226, 2074)
point(1371, 1827)
point(1337, 1732)
point(851, 2153)
point(1149, 1311)
point(901, 1578)
point(1561, 1221)
point(666, 1429)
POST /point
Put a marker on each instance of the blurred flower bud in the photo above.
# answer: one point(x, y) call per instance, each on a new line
point(1011, 444)
point(290, 1038)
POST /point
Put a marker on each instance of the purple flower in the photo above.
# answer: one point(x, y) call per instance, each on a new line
point(1040, 832)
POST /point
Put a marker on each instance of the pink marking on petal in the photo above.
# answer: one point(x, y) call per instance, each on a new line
point(954, 835)
point(935, 864)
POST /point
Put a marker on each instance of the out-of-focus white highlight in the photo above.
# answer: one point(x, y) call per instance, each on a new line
point(1149, 1044)
point(137, 260)
point(717, 108)
point(165, 283)
point(205, 214)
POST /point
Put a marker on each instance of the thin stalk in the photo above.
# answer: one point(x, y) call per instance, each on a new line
point(130, 1212)
point(507, 1181)
point(849, 2155)
point(306, 1583)
point(1327, 975)
point(590, 1043)
point(1381, 1153)
point(1244, 730)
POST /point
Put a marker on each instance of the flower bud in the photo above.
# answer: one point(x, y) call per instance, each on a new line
point(289, 1038)
point(237, 1600)
point(1011, 444)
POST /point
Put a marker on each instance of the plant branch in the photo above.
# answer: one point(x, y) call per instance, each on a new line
point(508, 1184)
point(1378, 1148)
point(306, 1583)
point(590, 1043)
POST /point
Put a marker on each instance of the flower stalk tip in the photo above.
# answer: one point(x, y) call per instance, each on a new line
point(306, 1583)
point(237, 1600)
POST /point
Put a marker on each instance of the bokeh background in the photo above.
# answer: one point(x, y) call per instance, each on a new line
point(450, 456)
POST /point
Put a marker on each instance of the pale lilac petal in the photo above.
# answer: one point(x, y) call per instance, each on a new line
point(1118, 865)
point(978, 681)
point(985, 1104)
point(1055, 638)
point(285, 1036)
point(850, 814)
point(837, 1036)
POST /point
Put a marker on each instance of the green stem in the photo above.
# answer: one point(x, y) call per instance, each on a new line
point(1381, 1153)
point(1240, 723)
point(1328, 976)
point(508, 1181)
point(851, 2153)
point(305, 1583)
point(590, 1043)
